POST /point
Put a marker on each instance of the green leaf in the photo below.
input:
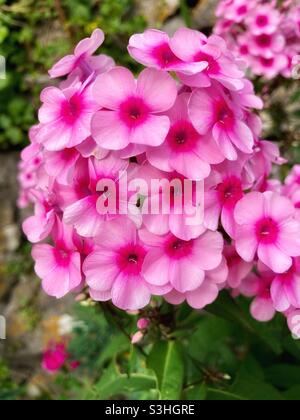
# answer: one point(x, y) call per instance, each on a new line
point(283, 376)
point(166, 361)
point(117, 345)
point(195, 393)
point(248, 387)
point(293, 394)
point(113, 384)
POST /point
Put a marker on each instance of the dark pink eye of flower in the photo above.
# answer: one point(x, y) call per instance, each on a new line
point(164, 55)
point(224, 115)
point(267, 231)
point(230, 191)
point(242, 10)
point(264, 40)
point(62, 257)
point(130, 259)
point(182, 136)
point(134, 112)
point(262, 20)
point(267, 62)
point(297, 205)
point(177, 248)
point(72, 109)
point(213, 65)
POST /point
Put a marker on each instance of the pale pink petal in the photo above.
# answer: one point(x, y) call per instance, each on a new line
point(186, 227)
point(156, 268)
point(112, 88)
point(158, 89)
point(201, 111)
point(100, 296)
point(207, 251)
point(262, 309)
point(224, 142)
point(254, 200)
point(90, 45)
point(84, 217)
point(159, 157)
point(109, 132)
point(279, 297)
point(242, 137)
point(186, 43)
point(174, 297)
point(289, 238)
point(274, 258)
point(185, 275)
point(246, 242)
point(63, 67)
point(206, 294)
point(151, 133)
point(190, 166)
point(100, 270)
point(130, 293)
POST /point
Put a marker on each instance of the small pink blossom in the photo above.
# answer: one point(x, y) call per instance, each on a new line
point(65, 116)
point(55, 358)
point(58, 266)
point(131, 108)
point(269, 230)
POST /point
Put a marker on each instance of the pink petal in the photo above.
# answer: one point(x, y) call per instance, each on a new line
point(201, 111)
point(224, 142)
point(255, 201)
point(207, 251)
point(206, 294)
point(279, 297)
point(114, 87)
point(246, 242)
point(186, 227)
point(152, 132)
point(174, 297)
point(90, 45)
point(185, 275)
point(84, 217)
point(109, 132)
point(156, 268)
point(130, 293)
point(100, 296)
point(101, 270)
point(274, 258)
point(289, 238)
point(158, 89)
point(191, 166)
point(262, 309)
point(186, 43)
point(242, 137)
point(63, 67)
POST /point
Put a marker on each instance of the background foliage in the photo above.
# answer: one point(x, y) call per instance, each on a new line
point(222, 354)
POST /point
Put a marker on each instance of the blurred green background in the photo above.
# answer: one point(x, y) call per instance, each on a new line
point(201, 357)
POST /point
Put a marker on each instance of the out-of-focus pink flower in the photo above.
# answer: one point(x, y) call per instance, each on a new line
point(55, 358)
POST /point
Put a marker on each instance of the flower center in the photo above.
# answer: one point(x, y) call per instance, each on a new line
point(224, 115)
point(267, 62)
point(242, 10)
point(130, 259)
point(230, 191)
point(267, 231)
point(134, 112)
point(264, 40)
point(213, 66)
point(262, 20)
point(182, 136)
point(177, 248)
point(164, 55)
point(71, 109)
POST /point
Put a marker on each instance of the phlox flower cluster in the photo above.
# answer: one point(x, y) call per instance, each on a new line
point(265, 34)
point(100, 121)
